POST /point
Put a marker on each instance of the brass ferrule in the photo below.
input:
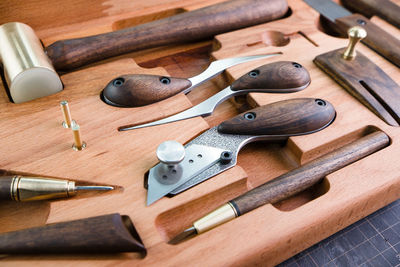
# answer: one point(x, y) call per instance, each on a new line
point(217, 217)
point(39, 188)
point(355, 34)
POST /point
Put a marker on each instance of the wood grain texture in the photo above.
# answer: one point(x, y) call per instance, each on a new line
point(5, 187)
point(136, 90)
point(366, 81)
point(309, 174)
point(377, 39)
point(190, 26)
point(102, 234)
point(288, 117)
point(385, 9)
point(278, 75)
point(34, 142)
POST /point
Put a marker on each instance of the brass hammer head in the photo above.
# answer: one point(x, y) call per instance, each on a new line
point(27, 69)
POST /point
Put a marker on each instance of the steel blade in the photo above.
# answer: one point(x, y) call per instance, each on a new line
point(204, 108)
point(197, 159)
point(328, 9)
point(218, 66)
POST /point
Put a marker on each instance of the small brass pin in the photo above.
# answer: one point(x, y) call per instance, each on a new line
point(78, 144)
point(355, 34)
point(68, 121)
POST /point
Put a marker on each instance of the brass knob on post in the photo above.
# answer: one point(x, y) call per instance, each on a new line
point(355, 34)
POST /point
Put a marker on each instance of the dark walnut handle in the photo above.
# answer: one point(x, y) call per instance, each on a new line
point(189, 26)
point(310, 173)
point(138, 90)
point(5, 187)
point(284, 118)
point(363, 79)
point(377, 39)
point(279, 77)
point(385, 9)
point(102, 234)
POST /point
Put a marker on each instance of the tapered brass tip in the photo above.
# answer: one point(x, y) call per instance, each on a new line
point(355, 34)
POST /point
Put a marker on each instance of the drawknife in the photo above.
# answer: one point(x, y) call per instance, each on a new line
point(216, 150)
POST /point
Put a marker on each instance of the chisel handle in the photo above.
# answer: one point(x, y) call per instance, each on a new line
point(385, 9)
point(309, 174)
point(189, 26)
point(5, 187)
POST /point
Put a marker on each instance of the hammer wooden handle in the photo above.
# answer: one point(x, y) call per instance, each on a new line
point(189, 26)
point(309, 174)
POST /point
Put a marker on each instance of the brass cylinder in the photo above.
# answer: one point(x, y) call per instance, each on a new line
point(78, 143)
point(39, 188)
point(27, 69)
point(217, 217)
point(68, 121)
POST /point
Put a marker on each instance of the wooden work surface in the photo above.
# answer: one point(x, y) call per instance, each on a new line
point(32, 140)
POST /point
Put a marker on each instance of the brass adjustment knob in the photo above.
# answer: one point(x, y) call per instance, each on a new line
point(355, 34)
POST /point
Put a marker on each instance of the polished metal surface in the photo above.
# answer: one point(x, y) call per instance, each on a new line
point(208, 106)
point(355, 34)
point(221, 215)
point(163, 180)
point(328, 9)
point(170, 152)
point(27, 69)
point(218, 66)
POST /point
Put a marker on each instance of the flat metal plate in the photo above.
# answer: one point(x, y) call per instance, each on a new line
point(328, 9)
point(197, 159)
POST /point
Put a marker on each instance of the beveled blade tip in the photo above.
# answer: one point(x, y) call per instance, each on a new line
point(188, 233)
point(94, 188)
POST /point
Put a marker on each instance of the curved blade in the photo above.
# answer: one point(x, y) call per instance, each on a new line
point(218, 66)
point(204, 109)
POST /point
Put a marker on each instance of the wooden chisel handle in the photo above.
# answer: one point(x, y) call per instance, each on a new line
point(377, 39)
point(5, 187)
point(385, 9)
point(309, 174)
point(189, 26)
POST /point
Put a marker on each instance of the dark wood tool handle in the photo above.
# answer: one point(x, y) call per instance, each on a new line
point(136, 90)
point(285, 76)
point(284, 118)
point(385, 9)
point(310, 173)
point(102, 234)
point(366, 81)
point(190, 26)
point(139, 89)
point(377, 39)
point(5, 187)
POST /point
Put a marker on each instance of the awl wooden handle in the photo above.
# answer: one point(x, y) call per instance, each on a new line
point(310, 173)
point(190, 26)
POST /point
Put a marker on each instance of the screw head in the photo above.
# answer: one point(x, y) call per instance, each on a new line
point(170, 152)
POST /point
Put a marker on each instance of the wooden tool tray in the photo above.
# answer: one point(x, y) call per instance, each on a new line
point(32, 140)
